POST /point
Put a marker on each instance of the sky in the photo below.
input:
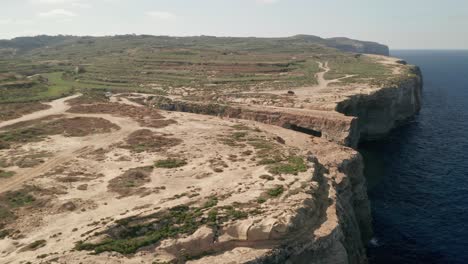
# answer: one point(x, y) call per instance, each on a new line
point(401, 24)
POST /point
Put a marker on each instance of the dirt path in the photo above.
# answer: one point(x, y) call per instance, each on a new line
point(58, 106)
point(87, 144)
point(61, 158)
point(322, 83)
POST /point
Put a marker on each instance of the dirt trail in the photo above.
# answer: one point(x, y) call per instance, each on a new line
point(322, 83)
point(61, 158)
point(87, 144)
point(58, 106)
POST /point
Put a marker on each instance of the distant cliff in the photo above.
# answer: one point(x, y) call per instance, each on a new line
point(357, 46)
point(349, 45)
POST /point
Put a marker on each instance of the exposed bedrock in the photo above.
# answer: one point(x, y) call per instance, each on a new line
point(330, 125)
point(346, 228)
point(381, 111)
point(336, 226)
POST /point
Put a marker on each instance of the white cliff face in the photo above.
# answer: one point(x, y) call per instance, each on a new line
point(384, 109)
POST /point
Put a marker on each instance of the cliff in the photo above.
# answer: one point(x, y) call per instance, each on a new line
point(350, 45)
point(228, 150)
point(380, 111)
point(359, 114)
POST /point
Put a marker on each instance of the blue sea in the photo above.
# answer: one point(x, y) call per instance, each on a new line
point(418, 176)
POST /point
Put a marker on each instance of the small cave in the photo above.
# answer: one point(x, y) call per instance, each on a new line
point(304, 130)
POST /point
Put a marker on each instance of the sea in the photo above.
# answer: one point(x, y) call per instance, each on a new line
point(418, 176)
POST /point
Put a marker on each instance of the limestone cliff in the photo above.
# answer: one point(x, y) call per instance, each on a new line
point(383, 109)
point(358, 114)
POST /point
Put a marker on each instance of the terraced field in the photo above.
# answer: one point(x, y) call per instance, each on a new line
point(163, 65)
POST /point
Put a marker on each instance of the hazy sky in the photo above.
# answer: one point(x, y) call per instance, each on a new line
point(397, 23)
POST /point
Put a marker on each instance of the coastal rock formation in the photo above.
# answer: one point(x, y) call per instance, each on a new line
point(369, 113)
point(218, 153)
point(382, 110)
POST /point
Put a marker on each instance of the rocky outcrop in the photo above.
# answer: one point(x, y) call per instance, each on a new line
point(346, 228)
point(330, 125)
point(384, 109)
point(339, 233)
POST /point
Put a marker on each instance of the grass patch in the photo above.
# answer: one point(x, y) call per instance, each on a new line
point(261, 144)
point(293, 166)
point(212, 201)
point(6, 174)
point(19, 198)
point(275, 192)
point(170, 163)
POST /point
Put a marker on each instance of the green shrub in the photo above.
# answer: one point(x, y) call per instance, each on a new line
point(19, 198)
point(275, 192)
point(6, 174)
point(170, 163)
point(293, 166)
point(212, 201)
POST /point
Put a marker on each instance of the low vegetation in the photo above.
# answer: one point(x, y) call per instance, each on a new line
point(275, 192)
point(131, 181)
point(293, 165)
point(170, 163)
point(130, 234)
point(34, 245)
point(361, 67)
point(149, 141)
point(15, 110)
point(37, 130)
point(12, 201)
point(6, 174)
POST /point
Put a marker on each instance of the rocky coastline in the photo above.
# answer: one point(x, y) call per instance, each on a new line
point(347, 227)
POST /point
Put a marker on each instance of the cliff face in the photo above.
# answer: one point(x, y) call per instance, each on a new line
point(384, 109)
point(342, 237)
point(330, 125)
point(339, 233)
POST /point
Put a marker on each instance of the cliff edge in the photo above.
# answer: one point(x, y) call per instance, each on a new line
point(197, 150)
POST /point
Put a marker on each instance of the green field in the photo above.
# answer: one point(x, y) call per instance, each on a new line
point(165, 64)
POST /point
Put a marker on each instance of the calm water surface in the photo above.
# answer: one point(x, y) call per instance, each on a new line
point(418, 176)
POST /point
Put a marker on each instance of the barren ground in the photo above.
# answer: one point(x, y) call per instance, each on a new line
point(75, 187)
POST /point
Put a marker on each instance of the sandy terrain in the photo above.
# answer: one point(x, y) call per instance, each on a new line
point(216, 166)
point(161, 187)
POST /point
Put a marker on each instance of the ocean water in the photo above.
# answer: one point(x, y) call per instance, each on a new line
point(418, 176)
